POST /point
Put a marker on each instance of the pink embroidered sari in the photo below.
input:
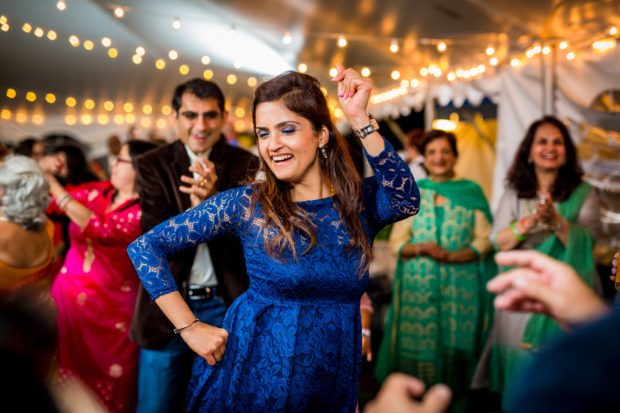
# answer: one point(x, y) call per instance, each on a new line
point(95, 292)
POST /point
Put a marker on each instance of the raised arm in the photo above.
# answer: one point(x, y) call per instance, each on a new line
point(396, 195)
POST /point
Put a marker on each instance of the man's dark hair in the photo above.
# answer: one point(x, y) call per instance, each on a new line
point(202, 89)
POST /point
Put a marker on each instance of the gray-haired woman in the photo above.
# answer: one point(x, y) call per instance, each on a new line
point(26, 235)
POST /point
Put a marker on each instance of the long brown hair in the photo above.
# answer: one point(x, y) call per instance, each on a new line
point(302, 95)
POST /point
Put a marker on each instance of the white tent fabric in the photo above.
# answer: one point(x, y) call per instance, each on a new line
point(520, 95)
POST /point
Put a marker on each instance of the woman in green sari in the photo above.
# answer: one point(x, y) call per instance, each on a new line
point(547, 207)
point(438, 314)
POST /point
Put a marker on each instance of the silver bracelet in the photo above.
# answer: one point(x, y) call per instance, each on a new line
point(366, 332)
point(178, 330)
point(66, 198)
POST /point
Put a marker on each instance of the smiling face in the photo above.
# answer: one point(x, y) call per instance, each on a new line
point(288, 144)
point(548, 152)
point(199, 122)
point(439, 159)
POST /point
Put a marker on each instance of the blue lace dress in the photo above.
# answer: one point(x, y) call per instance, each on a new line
point(295, 336)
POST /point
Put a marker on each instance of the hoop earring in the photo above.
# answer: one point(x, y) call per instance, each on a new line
point(323, 151)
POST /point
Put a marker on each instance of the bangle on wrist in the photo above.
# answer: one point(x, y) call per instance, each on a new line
point(178, 330)
point(64, 199)
point(366, 332)
point(517, 234)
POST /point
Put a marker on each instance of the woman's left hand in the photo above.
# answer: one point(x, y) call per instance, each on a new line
point(353, 94)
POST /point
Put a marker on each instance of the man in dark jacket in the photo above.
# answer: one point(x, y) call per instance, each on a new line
point(172, 179)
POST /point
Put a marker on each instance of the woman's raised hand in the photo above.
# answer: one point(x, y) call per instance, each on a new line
point(353, 94)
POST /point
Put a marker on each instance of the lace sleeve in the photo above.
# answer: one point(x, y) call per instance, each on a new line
point(221, 214)
point(392, 194)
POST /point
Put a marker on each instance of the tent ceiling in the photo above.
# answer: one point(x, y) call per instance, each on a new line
point(467, 26)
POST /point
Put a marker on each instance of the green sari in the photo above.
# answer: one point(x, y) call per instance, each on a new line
point(507, 362)
point(439, 313)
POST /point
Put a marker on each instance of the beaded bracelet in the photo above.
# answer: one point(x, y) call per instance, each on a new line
point(519, 236)
point(178, 330)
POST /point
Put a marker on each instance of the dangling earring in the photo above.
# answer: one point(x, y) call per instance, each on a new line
point(323, 151)
point(529, 159)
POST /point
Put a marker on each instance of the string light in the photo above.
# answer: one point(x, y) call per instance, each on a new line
point(208, 74)
point(365, 71)
point(394, 46)
point(490, 51)
point(119, 12)
point(514, 62)
point(70, 102)
point(493, 61)
point(252, 81)
point(51, 35)
point(231, 79)
point(61, 5)
point(333, 72)
point(287, 38)
point(451, 77)
point(342, 41)
point(546, 50)
point(184, 69)
point(160, 64)
point(302, 68)
point(31, 96)
point(11, 93)
point(140, 51)
point(442, 46)
point(136, 59)
point(395, 75)
point(166, 110)
point(108, 105)
point(173, 55)
point(563, 45)
point(39, 32)
point(128, 107)
point(50, 98)
point(89, 104)
point(103, 119)
point(112, 52)
point(88, 45)
point(613, 31)
point(106, 42)
point(74, 41)
point(570, 55)
point(176, 23)
point(26, 28)
point(604, 45)
point(205, 60)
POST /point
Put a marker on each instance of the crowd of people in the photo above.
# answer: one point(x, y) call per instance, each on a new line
point(200, 277)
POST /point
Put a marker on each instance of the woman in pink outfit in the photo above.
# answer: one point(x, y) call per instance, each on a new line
point(96, 287)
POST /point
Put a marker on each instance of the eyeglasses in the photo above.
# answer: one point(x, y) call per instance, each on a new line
point(119, 159)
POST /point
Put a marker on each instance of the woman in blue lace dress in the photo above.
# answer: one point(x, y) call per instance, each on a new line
point(292, 342)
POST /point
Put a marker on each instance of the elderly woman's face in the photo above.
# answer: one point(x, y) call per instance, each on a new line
point(439, 158)
point(123, 173)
